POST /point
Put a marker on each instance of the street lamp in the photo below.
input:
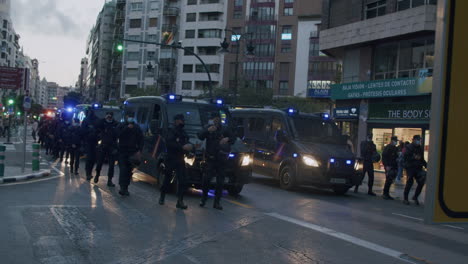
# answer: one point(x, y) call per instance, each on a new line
point(250, 53)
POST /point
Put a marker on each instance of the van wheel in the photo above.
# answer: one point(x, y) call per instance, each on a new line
point(288, 178)
point(340, 190)
point(235, 190)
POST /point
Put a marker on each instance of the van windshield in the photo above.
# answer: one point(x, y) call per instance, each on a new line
point(196, 116)
point(317, 130)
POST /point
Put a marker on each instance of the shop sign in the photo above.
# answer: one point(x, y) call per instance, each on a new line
point(346, 113)
point(319, 89)
point(382, 88)
point(400, 111)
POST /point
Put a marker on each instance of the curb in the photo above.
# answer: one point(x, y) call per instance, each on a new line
point(26, 177)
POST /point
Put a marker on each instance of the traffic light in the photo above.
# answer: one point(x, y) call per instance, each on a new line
point(11, 102)
point(120, 47)
point(18, 114)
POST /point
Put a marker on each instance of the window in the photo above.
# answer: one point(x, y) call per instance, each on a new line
point(284, 71)
point(153, 22)
point(265, 50)
point(151, 55)
point(188, 68)
point(314, 48)
point(138, 6)
point(202, 85)
point(135, 23)
point(263, 13)
point(191, 2)
point(209, 16)
point(288, 1)
point(186, 85)
point(238, 2)
point(132, 72)
point(406, 4)
point(191, 17)
point(190, 33)
point(192, 49)
point(286, 33)
point(152, 37)
point(257, 125)
point(285, 49)
point(207, 50)
point(375, 9)
point(214, 68)
point(283, 88)
point(288, 11)
point(133, 56)
point(237, 14)
point(209, 33)
point(155, 5)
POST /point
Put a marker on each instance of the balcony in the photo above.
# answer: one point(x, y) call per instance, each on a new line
point(410, 21)
point(171, 11)
point(166, 79)
point(169, 28)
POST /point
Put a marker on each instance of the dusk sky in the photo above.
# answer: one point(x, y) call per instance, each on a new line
point(55, 32)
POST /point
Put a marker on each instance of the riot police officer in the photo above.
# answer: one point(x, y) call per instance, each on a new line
point(389, 159)
point(177, 143)
point(76, 142)
point(90, 132)
point(63, 138)
point(107, 147)
point(218, 142)
point(368, 153)
point(414, 163)
point(130, 146)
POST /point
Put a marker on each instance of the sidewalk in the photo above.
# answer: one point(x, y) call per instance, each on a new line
point(14, 174)
point(396, 190)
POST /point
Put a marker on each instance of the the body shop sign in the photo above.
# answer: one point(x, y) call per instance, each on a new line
point(382, 88)
point(400, 111)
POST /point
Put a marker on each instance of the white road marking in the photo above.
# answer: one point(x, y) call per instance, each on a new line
point(192, 259)
point(456, 227)
point(354, 240)
point(409, 217)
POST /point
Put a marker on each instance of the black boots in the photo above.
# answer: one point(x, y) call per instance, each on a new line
point(161, 198)
point(217, 205)
point(386, 190)
point(203, 201)
point(110, 183)
point(96, 178)
point(124, 191)
point(371, 193)
point(180, 204)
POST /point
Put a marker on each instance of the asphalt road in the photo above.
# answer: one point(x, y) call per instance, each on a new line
point(65, 219)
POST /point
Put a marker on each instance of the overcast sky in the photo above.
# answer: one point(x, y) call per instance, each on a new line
point(55, 32)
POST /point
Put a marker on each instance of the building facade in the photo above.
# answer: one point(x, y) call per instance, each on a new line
point(43, 96)
point(52, 99)
point(284, 34)
point(9, 39)
point(82, 77)
point(98, 51)
point(387, 50)
point(202, 25)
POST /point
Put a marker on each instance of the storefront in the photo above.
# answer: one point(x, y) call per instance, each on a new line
point(347, 120)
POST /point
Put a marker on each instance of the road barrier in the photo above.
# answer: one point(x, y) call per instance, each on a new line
point(35, 157)
point(2, 161)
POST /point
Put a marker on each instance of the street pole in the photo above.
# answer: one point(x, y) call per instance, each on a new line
point(236, 73)
point(9, 130)
point(25, 120)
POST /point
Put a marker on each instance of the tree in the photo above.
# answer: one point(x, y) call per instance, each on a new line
point(36, 109)
point(72, 99)
point(149, 91)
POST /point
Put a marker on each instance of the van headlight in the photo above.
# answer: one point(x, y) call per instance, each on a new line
point(246, 160)
point(310, 161)
point(189, 161)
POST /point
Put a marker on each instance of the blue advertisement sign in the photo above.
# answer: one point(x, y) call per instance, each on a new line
point(319, 89)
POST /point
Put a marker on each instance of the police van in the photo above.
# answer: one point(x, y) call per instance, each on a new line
point(99, 110)
point(155, 114)
point(298, 149)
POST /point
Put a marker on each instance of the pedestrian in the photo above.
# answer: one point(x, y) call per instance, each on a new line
point(2, 130)
point(389, 159)
point(218, 142)
point(131, 143)
point(414, 163)
point(35, 126)
point(369, 155)
point(107, 148)
point(89, 128)
point(177, 143)
point(400, 162)
point(76, 142)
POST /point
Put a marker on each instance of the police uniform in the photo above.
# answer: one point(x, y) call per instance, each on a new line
point(414, 163)
point(63, 139)
point(130, 144)
point(76, 141)
point(107, 148)
point(89, 127)
point(368, 149)
point(389, 159)
point(216, 158)
point(176, 139)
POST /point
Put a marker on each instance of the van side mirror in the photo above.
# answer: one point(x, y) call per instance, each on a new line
point(240, 131)
point(154, 127)
point(281, 136)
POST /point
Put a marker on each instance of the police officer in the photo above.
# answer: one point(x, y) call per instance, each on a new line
point(63, 138)
point(368, 150)
point(107, 147)
point(414, 163)
point(76, 141)
point(130, 145)
point(218, 143)
point(90, 132)
point(389, 159)
point(177, 142)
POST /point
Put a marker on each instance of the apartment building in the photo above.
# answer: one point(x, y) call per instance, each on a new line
point(81, 83)
point(9, 46)
point(387, 49)
point(99, 51)
point(201, 30)
point(286, 58)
